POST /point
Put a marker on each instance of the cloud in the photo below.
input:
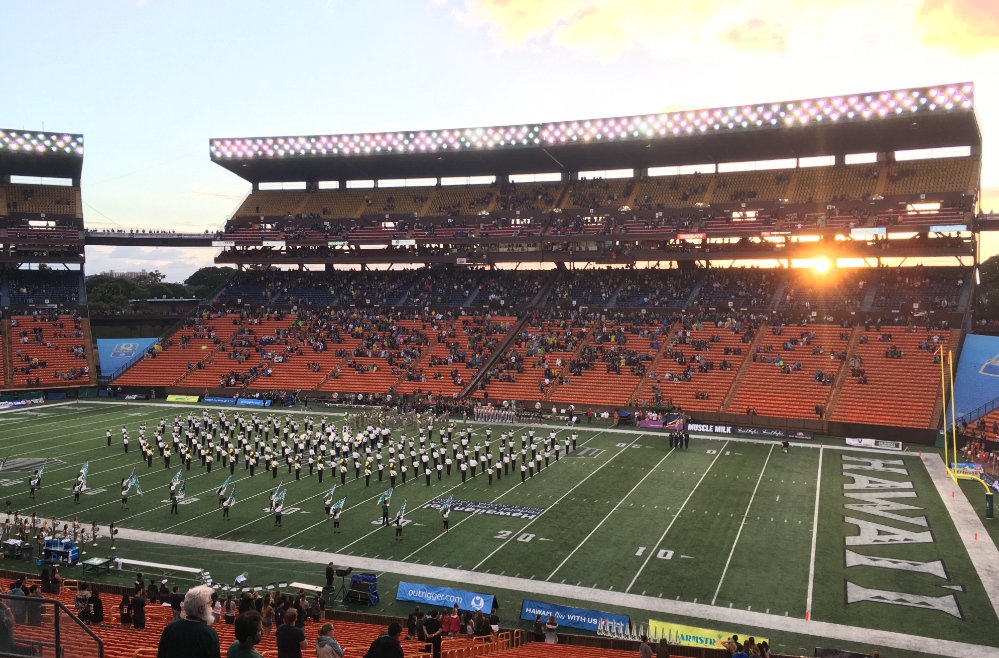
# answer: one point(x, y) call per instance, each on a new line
point(176, 263)
point(967, 27)
point(758, 36)
point(607, 28)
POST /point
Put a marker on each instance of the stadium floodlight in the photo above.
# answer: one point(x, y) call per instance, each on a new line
point(858, 107)
point(23, 141)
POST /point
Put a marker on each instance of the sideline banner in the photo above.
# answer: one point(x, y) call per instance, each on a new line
point(441, 595)
point(691, 636)
point(753, 431)
point(11, 404)
point(968, 469)
point(132, 396)
point(182, 398)
point(212, 400)
point(587, 620)
point(874, 443)
point(252, 402)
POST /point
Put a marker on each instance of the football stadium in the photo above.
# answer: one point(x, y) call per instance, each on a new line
point(703, 382)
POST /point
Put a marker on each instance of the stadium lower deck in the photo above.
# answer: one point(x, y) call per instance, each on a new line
point(719, 534)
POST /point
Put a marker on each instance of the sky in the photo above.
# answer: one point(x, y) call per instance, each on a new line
point(148, 82)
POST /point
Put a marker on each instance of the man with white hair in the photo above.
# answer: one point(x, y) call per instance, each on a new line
point(192, 636)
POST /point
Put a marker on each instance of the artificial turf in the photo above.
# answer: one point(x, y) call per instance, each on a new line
point(723, 522)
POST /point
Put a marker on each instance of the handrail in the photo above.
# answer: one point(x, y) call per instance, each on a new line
point(37, 600)
point(977, 413)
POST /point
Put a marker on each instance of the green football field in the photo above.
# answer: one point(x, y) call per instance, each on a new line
point(719, 535)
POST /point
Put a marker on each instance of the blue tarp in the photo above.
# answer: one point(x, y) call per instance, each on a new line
point(977, 379)
point(117, 352)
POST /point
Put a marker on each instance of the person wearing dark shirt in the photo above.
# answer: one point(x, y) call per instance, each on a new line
point(96, 607)
point(289, 638)
point(192, 636)
point(387, 646)
point(248, 632)
point(434, 631)
point(138, 607)
point(330, 575)
point(176, 599)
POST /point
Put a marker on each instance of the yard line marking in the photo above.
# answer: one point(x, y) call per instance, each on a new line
point(675, 517)
point(593, 472)
point(741, 526)
point(815, 534)
point(494, 500)
point(651, 471)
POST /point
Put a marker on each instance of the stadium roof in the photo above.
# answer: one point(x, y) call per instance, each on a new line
point(923, 117)
point(39, 153)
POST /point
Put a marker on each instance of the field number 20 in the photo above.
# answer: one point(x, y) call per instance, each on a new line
point(505, 534)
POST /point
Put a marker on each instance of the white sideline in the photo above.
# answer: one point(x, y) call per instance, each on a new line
point(815, 536)
point(675, 517)
point(746, 622)
point(741, 526)
point(982, 551)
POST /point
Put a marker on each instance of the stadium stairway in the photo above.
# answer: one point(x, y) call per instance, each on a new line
point(501, 349)
point(844, 371)
point(716, 383)
point(88, 348)
point(591, 331)
point(6, 369)
point(639, 392)
point(743, 369)
point(598, 386)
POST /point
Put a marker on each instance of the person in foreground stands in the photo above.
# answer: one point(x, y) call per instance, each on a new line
point(387, 646)
point(290, 638)
point(644, 650)
point(192, 636)
point(249, 631)
point(326, 646)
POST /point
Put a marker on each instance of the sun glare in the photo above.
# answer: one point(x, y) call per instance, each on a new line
point(820, 265)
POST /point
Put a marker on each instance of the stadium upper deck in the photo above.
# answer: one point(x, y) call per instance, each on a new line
point(674, 182)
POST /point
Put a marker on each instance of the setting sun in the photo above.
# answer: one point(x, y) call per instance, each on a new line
point(820, 265)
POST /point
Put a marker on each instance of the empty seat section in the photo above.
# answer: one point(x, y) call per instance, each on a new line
point(170, 359)
point(335, 204)
point(662, 192)
point(902, 377)
point(598, 193)
point(462, 199)
point(271, 203)
point(49, 199)
point(396, 200)
point(528, 196)
point(750, 186)
point(928, 176)
point(774, 386)
point(825, 184)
